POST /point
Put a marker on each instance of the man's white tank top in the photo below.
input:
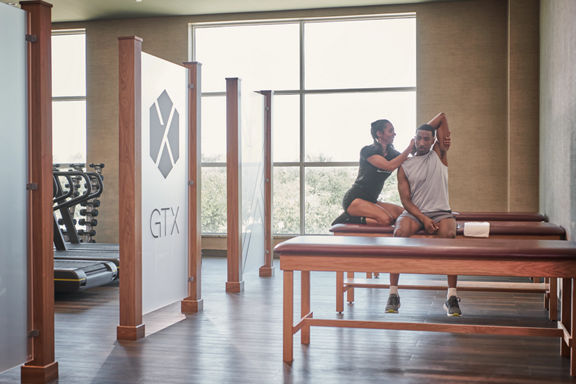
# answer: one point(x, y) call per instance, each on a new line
point(428, 178)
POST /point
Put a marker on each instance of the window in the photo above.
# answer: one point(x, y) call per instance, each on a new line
point(69, 96)
point(331, 78)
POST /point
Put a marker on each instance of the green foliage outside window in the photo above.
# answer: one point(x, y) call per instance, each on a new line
point(325, 188)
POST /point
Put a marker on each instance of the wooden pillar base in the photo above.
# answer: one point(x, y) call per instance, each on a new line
point(39, 374)
point(266, 271)
point(234, 286)
point(130, 332)
point(189, 306)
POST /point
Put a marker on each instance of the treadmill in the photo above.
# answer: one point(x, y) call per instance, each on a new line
point(89, 254)
point(76, 275)
point(76, 270)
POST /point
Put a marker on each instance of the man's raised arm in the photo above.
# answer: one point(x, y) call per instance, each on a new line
point(443, 140)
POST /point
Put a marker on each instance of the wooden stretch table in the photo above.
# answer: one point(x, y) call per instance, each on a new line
point(474, 257)
point(517, 230)
point(499, 216)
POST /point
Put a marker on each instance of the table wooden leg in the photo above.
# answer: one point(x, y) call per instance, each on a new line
point(553, 298)
point(339, 292)
point(305, 306)
point(547, 297)
point(350, 290)
point(288, 318)
point(565, 313)
point(572, 327)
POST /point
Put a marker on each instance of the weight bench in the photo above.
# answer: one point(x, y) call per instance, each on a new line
point(519, 230)
point(474, 257)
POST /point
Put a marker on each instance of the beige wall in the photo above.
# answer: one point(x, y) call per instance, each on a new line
point(464, 69)
point(558, 113)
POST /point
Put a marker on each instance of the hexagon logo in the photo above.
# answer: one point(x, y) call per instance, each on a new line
point(164, 134)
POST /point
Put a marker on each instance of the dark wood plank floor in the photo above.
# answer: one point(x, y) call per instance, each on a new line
point(238, 339)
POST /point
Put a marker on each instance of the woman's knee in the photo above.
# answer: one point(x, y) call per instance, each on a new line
point(385, 220)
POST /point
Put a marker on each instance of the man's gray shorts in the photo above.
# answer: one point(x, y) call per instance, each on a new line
point(436, 216)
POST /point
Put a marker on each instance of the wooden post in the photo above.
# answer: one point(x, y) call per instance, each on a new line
point(130, 188)
point(267, 269)
point(193, 303)
point(234, 186)
point(42, 367)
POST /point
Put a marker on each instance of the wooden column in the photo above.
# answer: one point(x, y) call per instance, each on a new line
point(42, 367)
point(234, 186)
point(130, 188)
point(193, 303)
point(267, 269)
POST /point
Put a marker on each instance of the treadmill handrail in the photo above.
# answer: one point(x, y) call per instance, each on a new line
point(77, 199)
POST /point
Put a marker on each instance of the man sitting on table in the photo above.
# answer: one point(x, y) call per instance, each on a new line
point(423, 188)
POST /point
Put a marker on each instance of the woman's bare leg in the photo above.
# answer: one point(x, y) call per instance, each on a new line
point(381, 213)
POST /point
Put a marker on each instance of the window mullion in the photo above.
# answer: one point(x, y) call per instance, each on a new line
point(302, 135)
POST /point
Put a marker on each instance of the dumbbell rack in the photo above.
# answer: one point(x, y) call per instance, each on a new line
point(89, 212)
point(78, 225)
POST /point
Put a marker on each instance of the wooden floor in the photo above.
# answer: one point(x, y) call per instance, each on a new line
point(238, 339)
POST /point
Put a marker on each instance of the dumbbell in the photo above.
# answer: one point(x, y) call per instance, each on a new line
point(91, 232)
point(92, 222)
point(93, 203)
point(92, 213)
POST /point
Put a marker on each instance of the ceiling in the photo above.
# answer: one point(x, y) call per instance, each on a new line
point(83, 10)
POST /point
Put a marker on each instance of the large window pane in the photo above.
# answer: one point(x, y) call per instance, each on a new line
point(286, 128)
point(341, 56)
point(325, 188)
point(213, 117)
point(266, 55)
point(69, 65)
point(361, 53)
point(390, 191)
point(338, 125)
point(286, 201)
point(69, 131)
point(213, 205)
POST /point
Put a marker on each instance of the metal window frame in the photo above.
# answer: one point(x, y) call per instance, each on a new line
point(58, 99)
point(301, 92)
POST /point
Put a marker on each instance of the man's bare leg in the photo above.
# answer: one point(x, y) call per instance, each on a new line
point(405, 227)
point(447, 230)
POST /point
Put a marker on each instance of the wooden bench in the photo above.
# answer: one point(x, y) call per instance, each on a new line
point(474, 257)
point(520, 230)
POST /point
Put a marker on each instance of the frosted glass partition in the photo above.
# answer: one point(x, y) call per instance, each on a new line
point(252, 169)
point(13, 173)
point(164, 183)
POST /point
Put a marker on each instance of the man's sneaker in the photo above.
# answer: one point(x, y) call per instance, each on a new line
point(393, 303)
point(451, 306)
